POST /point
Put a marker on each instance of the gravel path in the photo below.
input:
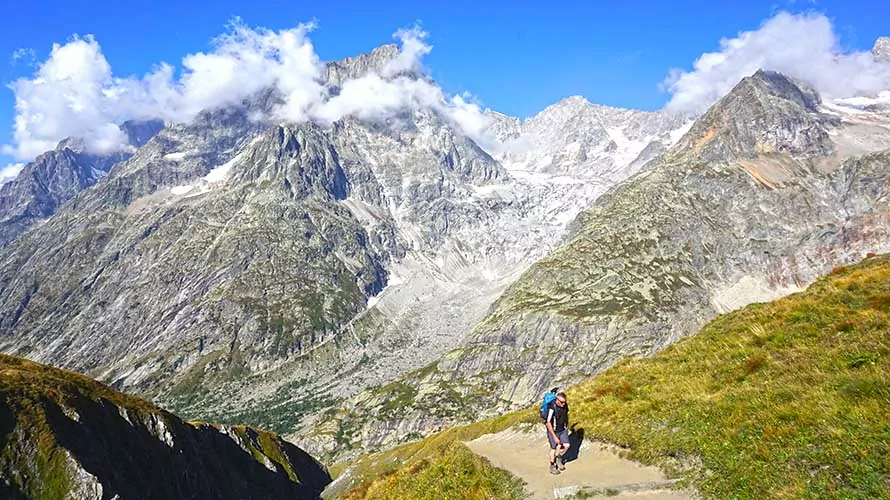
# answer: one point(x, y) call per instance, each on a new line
point(597, 470)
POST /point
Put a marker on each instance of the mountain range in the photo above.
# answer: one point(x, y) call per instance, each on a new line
point(230, 264)
point(368, 282)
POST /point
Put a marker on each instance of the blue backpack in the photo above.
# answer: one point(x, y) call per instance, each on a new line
point(545, 405)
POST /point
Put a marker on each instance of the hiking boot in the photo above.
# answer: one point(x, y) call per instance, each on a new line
point(561, 463)
point(554, 469)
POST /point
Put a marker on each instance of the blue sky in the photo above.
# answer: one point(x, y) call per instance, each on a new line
point(514, 56)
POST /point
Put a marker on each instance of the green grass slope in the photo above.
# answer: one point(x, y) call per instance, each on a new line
point(788, 399)
point(452, 472)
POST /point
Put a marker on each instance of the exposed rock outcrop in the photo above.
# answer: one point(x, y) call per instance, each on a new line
point(881, 50)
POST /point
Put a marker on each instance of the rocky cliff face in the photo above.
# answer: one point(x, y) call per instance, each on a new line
point(338, 72)
point(57, 176)
point(881, 50)
point(63, 435)
point(767, 191)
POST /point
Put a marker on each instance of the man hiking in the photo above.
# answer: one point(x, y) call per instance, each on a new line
point(557, 422)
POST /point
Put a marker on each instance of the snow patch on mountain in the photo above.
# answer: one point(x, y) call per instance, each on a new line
point(221, 172)
point(883, 98)
point(215, 177)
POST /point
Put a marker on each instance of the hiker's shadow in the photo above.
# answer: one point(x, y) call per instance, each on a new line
point(576, 437)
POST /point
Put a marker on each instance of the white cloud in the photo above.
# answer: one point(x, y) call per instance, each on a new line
point(803, 46)
point(10, 172)
point(28, 56)
point(247, 61)
point(74, 93)
point(71, 94)
point(414, 47)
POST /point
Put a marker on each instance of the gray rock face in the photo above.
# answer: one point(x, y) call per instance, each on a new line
point(242, 269)
point(766, 113)
point(881, 50)
point(139, 132)
point(57, 176)
point(337, 72)
point(45, 184)
point(576, 138)
point(756, 201)
point(228, 248)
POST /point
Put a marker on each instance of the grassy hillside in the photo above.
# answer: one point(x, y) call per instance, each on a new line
point(378, 475)
point(789, 399)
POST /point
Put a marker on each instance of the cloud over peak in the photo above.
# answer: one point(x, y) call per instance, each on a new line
point(803, 46)
point(75, 93)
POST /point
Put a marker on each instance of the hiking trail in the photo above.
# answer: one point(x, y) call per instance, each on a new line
point(595, 471)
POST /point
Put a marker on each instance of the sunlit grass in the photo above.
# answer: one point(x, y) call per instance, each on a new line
point(452, 472)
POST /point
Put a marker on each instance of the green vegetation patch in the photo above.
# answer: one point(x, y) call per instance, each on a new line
point(372, 467)
point(452, 472)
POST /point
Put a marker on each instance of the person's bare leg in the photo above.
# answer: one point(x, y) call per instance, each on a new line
point(560, 457)
point(554, 468)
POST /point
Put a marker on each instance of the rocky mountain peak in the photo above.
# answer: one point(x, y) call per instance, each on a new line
point(75, 144)
point(382, 53)
point(575, 101)
point(881, 50)
point(139, 132)
point(782, 86)
point(764, 113)
point(337, 72)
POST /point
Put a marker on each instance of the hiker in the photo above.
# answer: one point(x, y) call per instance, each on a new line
point(557, 421)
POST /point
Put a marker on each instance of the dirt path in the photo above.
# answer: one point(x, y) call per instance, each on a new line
point(597, 471)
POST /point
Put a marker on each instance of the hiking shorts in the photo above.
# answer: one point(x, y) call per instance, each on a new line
point(563, 436)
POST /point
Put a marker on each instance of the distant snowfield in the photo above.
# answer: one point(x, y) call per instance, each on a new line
point(859, 105)
point(215, 177)
point(866, 121)
point(861, 102)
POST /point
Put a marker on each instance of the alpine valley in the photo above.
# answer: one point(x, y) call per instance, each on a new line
point(361, 283)
point(244, 271)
